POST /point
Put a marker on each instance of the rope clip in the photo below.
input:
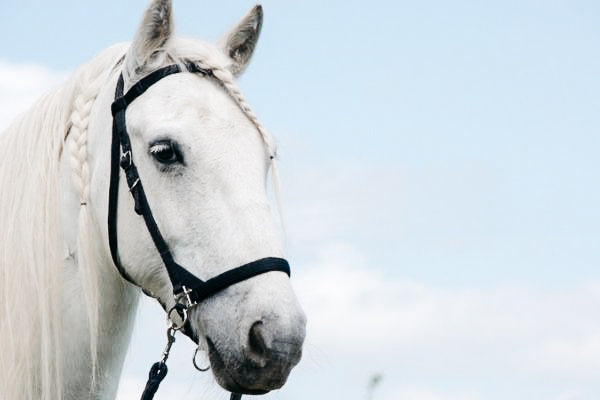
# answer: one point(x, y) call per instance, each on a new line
point(170, 340)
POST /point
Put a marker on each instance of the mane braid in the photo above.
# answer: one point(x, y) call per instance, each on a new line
point(225, 77)
point(89, 86)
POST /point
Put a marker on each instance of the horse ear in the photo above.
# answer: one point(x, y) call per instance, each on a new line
point(152, 35)
point(239, 42)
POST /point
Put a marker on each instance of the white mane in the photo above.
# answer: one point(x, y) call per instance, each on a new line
point(31, 246)
point(32, 250)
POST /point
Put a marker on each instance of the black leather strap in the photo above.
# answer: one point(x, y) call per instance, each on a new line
point(206, 289)
point(122, 101)
point(157, 373)
point(113, 190)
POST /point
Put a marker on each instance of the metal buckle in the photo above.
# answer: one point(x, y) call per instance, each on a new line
point(185, 296)
point(183, 302)
point(126, 160)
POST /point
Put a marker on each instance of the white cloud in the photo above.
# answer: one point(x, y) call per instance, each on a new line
point(366, 316)
point(20, 85)
point(362, 315)
point(571, 395)
point(416, 393)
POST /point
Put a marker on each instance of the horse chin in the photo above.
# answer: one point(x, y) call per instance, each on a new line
point(244, 377)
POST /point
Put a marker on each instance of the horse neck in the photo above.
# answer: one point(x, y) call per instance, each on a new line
point(116, 315)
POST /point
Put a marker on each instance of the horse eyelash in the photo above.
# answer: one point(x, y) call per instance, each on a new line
point(160, 146)
point(165, 144)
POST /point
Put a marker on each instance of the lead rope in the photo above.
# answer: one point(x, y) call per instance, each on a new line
point(159, 369)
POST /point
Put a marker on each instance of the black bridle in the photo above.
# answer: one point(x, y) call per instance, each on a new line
point(188, 290)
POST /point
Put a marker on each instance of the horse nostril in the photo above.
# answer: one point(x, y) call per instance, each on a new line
point(257, 347)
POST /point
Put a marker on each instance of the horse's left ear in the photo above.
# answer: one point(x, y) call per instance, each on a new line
point(153, 33)
point(239, 42)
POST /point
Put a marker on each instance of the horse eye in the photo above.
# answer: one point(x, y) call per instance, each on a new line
point(165, 152)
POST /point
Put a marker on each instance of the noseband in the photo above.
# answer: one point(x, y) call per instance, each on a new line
point(188, 290)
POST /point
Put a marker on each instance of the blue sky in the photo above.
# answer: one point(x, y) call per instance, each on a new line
point(440, 167)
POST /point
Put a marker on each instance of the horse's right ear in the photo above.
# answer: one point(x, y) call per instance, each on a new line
point(152, 35)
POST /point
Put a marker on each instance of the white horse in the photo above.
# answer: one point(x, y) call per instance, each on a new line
point(66, 313)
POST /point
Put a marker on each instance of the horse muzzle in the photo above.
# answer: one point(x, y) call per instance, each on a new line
point(273, 346)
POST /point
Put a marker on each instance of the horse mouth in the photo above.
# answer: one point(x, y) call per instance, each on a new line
point(224, 376)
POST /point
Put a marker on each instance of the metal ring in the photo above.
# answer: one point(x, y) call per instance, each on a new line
point(196, 365)
point(184, 318)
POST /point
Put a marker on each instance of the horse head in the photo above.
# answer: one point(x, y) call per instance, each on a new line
point(204, 159)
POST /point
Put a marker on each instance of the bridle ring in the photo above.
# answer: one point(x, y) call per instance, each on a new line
point(183, 318)
point(196, 365)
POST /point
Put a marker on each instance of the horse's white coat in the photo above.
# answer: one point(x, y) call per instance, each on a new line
point(67, 313)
